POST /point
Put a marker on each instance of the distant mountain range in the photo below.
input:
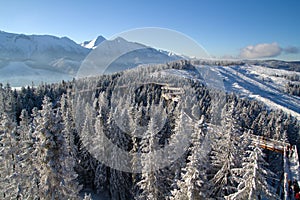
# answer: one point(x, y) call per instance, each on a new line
point(44, 58)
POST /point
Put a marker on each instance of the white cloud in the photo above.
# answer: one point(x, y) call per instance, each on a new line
point(261, 51)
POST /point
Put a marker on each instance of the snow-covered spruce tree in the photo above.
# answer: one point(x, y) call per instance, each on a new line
point(87, 197)
point(27, 158)
point(192, 185)
point(100, 179)
point(138, 127)
point(101, 170)
point(2, 99)
point(16, 149)
point(226, 156)
point(292, 125)
point(24, 127)
point(7, 101)
point(87, 164)
point(69, 131)
point(150, 185)
point(89, 122)
point(56, 169)
point(119, 182)
point(253, 185)
point(70, 149)
point(279, 127)
point(69, 126)
point(30, 155)
point(259, 123)
point(178, 136)
point(9, 171)
point(135, 164)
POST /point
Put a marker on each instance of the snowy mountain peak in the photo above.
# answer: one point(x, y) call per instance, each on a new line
point(63, 55)
point(92, 44)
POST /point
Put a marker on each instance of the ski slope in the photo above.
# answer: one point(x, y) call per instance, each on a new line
point(247, 81)
point(263, 84)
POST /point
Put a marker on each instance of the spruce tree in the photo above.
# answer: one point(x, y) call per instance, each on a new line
point(56, 169)
point(253, 184)
point(9, 170)
point(192, 185)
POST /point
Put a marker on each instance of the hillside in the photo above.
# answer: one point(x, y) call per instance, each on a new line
point(157, 130)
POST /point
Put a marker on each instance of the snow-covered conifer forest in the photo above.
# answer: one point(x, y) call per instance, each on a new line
point(47, 133)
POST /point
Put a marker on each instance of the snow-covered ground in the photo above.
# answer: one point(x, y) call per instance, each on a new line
point(263, 84)
point(249, 81)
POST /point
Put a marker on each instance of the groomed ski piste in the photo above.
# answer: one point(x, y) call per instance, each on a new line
point(262, 84)
point(256, 82)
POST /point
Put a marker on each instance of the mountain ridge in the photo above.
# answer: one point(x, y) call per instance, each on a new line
point(63, 55)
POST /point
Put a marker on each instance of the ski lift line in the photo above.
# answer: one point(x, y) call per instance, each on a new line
point(171, 88)
point(177, 92)
point(165, 86)
point(147, 83)
point(174, 96)
point(85, 90)
point(123, 86)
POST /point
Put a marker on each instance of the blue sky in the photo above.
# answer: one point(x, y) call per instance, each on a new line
point(230, 28)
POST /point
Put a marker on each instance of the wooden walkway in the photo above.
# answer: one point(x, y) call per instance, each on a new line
point(290, 161)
